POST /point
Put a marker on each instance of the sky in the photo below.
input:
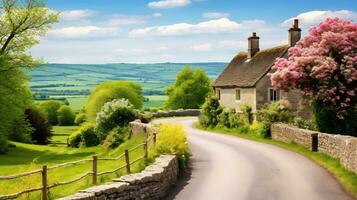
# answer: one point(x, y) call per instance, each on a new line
point(155, 31)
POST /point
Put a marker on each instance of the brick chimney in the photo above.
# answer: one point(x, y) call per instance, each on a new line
point(253, 45)
point(294, 33)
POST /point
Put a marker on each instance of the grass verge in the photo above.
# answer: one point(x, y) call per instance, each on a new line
point(347, 178)
point(28, 157)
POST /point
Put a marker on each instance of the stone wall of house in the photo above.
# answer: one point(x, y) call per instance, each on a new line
point(177, 113)
point(341, 147)
point(137, 127)
point(228, 98)
point(153, 183)
point(262, 87)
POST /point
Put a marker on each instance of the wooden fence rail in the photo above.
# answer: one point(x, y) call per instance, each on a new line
point(94, 171)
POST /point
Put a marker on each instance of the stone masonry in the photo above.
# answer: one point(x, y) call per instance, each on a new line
point(341, 147)
point(137, 127)
point(152, 184)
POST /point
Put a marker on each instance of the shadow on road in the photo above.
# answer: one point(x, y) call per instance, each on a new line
point(184, 178)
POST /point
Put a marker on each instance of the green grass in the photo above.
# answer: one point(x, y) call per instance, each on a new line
point(155, 101)
point(77, 102)
point(61, 133)
point(27, 157)
point(347, 178)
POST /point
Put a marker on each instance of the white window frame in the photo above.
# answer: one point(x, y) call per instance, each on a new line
point(276, 95)
point(238, 91)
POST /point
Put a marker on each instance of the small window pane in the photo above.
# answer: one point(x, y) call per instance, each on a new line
point(237, 94)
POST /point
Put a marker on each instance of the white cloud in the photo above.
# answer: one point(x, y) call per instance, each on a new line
point(119, 19)
point(223, 25)
point(164, 4)
point(83, 32)
point(167, 57)
point(202, 47)
point(314, 17)
point(163, 48)
point(215, 15)
point(157, 15)
point(232, 44)
point(73, 15)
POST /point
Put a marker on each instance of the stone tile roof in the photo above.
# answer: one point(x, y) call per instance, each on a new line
point(244, 72)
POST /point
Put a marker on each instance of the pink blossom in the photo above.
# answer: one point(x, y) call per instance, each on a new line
point(323, 65)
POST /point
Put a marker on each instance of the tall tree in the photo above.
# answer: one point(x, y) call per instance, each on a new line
point(189, 90)
point(324, 66)
point(22, 23)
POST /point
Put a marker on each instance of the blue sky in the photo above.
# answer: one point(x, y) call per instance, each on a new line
point(137, 31)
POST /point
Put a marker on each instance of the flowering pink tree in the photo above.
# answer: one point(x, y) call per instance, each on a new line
point(324, 66)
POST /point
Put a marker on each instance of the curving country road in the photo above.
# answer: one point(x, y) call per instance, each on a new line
point(225, 167)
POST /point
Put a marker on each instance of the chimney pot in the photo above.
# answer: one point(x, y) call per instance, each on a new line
point(296, 23)
point(294, 33)
point(253, 45)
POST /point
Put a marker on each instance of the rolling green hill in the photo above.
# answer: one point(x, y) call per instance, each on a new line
point(74, 81)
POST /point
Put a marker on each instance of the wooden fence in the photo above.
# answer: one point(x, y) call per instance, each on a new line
point(94, 172)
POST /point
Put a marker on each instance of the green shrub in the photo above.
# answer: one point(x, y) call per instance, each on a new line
point(21, 131)
point(223, 118)
point(247, 113)
point(274, 112)
point(172, 140)
point(115, 137)
point(154, 109)
point(108, 91)
point(327, 121)
point(80, 118)
point(118, 112)
point(65, 116)
point(189, 90)
point(85, 136)
point(235, 120)
point(41, 133)
point(3, 144)
point(210, 111)
point(75, 139)
point(50, 108)
point(304, 124)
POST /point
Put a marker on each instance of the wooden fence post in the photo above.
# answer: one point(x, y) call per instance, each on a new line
point(44, 182)
point(314, 142)
point(146, 151)
point(127, 161)
point(94, 172)
point(154, 139)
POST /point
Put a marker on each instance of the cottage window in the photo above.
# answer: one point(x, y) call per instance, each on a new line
point(274, 95)
point(237, 94)
point(218, 93)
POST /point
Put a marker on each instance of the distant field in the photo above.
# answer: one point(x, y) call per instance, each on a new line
point(77, 102)
point(155, 101)
point(75, 81)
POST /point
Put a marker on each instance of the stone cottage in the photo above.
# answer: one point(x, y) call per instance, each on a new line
point(245, 79)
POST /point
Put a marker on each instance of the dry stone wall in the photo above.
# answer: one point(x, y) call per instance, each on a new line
point(137, 127)
point(286, 133)
point(177, 113)
point(152, 184)
point(341, 147)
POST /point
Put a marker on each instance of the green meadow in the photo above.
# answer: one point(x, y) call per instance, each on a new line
point(75, 81)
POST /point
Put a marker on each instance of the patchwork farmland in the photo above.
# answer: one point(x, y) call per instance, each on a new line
point(73, 82)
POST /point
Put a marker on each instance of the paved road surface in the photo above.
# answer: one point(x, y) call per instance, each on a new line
point(229, 168)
